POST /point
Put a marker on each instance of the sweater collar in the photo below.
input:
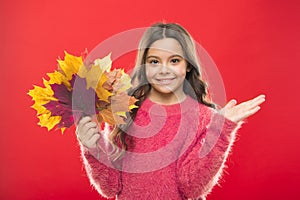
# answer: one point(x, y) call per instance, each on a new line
point(161, 110)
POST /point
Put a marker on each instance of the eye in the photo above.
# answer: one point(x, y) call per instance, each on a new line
point(153, 61)
point(175, 60)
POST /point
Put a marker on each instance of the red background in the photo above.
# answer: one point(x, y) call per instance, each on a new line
point(255, 45)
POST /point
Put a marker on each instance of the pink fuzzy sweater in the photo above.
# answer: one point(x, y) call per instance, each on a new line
point(175, 152)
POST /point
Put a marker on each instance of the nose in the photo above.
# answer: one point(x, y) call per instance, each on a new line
point(164, 69)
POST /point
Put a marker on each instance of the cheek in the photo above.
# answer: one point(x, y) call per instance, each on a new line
point(181, 72)
point(150, 72)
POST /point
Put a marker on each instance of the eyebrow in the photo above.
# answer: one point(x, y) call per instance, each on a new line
point(157, 57)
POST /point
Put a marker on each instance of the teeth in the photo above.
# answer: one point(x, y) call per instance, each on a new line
point(165, 81)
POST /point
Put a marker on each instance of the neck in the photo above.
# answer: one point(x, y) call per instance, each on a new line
point(167, 99)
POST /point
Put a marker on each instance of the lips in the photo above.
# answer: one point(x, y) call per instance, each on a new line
point(164, 81)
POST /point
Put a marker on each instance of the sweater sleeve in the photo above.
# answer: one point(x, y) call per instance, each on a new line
point(200, 166)
point(103, 175)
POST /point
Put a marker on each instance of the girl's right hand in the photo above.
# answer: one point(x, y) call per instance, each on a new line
point(87, 132)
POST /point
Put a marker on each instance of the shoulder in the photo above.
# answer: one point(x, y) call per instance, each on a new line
point(204, 112)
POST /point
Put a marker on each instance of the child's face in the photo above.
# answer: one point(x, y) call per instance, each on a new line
point(166, 68)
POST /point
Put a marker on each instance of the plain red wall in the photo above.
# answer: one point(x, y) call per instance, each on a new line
point(255, 45)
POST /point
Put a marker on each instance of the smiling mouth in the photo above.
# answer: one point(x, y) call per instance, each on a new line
point(165, 81)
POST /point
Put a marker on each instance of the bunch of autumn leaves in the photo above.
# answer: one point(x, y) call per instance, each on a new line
point(76, 90)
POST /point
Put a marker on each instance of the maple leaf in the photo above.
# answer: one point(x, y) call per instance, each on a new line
point(70, 65)
point(58, 78)
point(76, 90)
point(48, 121)
point(109, 117)
point(95, 78)
point(48, 103)
point(132, 102)
point(118, 81)
point(92, 75)
point(63, 106)
point(84, 101)
point(104, 63)
point(125, 82)
point(120, 102)
point(41, 96)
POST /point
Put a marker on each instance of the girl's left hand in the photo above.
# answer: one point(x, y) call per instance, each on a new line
point(238, 112)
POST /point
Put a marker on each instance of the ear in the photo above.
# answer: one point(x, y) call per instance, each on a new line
point(188, 69)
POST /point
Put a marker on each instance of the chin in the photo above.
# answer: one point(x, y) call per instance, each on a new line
point(163, 90)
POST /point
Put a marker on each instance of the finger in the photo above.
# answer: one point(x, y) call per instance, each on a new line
point(84, 138)
point(93, 141)
point(250, 112)
point(230, 104)
point(252, 103)
point(88, 126)
point(87, 131)
point(261, 96)
point(89, 134)
point(81, 124)
point(257, 101)
point(85, 120)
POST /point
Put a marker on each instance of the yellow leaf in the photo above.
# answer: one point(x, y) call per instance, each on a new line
point(39, 108)
point(121, 113)
point(46, 120)
point(58, 78)
point(107, 116)
point(70, 65)
point(125, 82)
point(41, 95)
point(110, 118)
point(103, 94)
point(118, 80)
point(63, 130)
point(120, 102)
point(104, 63)
point(94, 76)
point(132, 102)
point(132, 107)
point(118, 119)
point(82, 71)
point(99, 118)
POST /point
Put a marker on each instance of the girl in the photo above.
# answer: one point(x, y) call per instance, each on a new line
point(175, 144)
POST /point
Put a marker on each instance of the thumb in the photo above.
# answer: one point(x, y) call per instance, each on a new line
point(231, 103)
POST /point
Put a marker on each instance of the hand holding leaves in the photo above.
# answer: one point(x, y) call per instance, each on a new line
point(76, 90)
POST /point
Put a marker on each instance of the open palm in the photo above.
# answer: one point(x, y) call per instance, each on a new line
point(238, 112)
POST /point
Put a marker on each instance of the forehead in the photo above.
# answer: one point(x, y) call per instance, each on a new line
point(166, 46)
